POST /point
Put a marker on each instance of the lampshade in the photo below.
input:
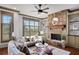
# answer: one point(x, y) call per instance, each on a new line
point(13, 34)
point(41, 32)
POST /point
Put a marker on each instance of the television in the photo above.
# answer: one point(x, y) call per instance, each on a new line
point(56, 36)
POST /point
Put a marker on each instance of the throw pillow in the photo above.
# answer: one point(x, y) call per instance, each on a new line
point(25, 50)
point(49, 50)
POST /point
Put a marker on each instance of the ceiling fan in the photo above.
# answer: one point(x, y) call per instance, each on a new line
point(40, 9)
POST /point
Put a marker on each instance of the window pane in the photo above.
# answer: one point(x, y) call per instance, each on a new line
point(6, 28)
point(36, 23)
point(6, 19)
point(36, 30)
point(26, 22)
point(32, 30)
point(26, 30)
point(31, 23)
point(5, 37)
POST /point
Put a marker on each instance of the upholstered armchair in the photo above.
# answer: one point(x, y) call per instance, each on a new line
point(12, 49)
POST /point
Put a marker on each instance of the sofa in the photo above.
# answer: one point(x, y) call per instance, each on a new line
point(14, 50)
point(13, 46)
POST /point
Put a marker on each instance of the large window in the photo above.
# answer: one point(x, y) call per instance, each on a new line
point(6, 26)
point(31, 27)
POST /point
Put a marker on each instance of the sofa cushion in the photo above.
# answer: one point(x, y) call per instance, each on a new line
point(24, 50)
point(27, 39)
point(30, 44)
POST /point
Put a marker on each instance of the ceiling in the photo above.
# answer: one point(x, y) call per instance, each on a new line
point(28, 8)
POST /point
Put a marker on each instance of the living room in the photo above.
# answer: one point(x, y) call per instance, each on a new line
point(50, 28)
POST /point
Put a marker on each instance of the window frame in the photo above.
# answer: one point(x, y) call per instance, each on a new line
point(29, 19)
point(12, 25)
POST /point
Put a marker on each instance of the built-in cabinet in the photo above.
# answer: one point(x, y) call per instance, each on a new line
point(73, 30)
point(73, 41)
point(77, 42)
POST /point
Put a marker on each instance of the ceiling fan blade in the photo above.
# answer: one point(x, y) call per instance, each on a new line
point(45, 12)
point(33, 11)
point(36, 7)
point(45, 8)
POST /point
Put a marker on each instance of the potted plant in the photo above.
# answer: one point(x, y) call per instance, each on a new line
point(63, 38)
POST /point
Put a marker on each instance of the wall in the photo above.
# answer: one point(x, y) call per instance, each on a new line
point(18, 25)
point(44, 27)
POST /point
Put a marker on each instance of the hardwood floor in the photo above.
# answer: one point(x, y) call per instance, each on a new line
point(74, 51)
point(3, 51)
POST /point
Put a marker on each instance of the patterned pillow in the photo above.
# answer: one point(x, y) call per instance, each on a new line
point(48, 50)
point(45, 51)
